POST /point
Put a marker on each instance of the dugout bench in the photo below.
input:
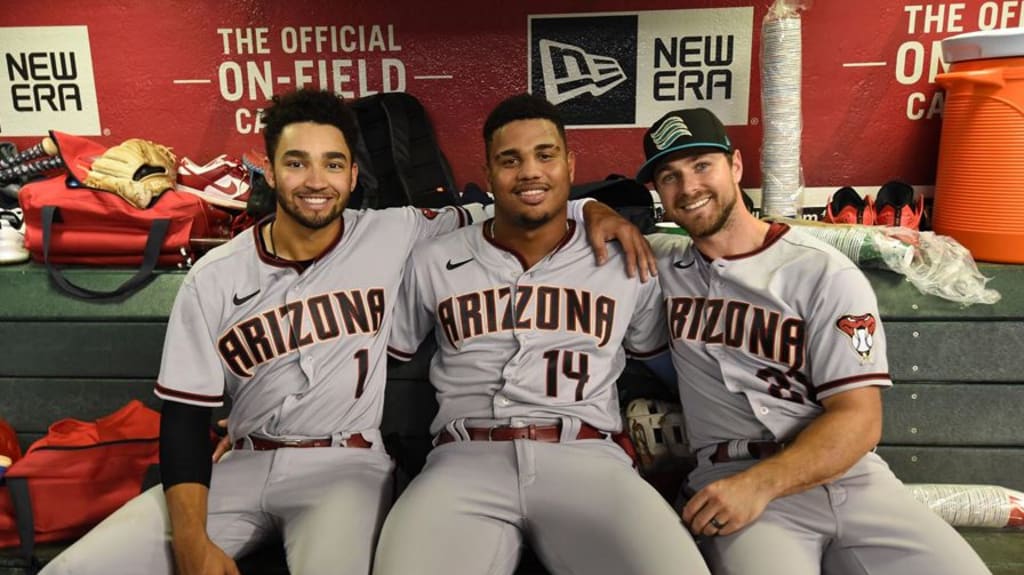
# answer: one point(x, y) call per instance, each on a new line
point(952, 417)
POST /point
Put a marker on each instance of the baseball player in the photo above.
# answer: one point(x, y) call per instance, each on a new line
point(290, 322)
point(530, 335)
point(780, 356)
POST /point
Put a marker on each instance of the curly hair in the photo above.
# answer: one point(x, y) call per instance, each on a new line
point(521, 107)
point(307, 105)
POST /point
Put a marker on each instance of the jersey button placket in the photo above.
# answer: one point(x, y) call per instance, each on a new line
point(500, 402)
point(308, 364)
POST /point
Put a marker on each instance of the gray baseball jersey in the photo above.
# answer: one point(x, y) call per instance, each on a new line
point(300, 354)
point(545, 342)
point(758, 340)
point(528, 346)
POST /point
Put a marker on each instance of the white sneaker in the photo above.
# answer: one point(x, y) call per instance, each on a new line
point(222, 181)
point(12, 237)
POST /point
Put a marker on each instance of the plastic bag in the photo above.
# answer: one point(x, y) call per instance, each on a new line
point(935, 264)
point(972, 505)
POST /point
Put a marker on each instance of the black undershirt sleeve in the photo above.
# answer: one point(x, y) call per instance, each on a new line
point(185, 444)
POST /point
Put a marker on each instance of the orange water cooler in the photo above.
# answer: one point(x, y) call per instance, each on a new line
point(979, 187)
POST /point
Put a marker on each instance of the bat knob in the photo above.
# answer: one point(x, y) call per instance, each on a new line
point(49, 146)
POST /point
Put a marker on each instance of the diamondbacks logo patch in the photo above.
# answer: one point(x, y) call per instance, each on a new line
point(428, 213)
point(861, 331)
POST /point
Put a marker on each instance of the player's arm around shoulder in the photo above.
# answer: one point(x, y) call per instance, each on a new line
point(603, 224)
point(433, 222)
point(414, 304)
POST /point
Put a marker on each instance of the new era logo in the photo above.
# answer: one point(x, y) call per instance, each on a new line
point(672, 129)
point(570, 72)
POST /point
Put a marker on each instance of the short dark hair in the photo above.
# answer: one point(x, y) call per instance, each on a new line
point(307, 105)
point(521, 107)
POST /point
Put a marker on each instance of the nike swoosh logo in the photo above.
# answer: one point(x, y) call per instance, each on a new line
point(241, 300)
point(450, 266)
point(680, 265)
point(231, 190)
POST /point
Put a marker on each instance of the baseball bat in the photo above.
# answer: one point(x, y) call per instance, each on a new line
point(46, 147)
point(30, 169)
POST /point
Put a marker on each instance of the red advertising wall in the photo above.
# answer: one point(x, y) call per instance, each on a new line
point(193, 74)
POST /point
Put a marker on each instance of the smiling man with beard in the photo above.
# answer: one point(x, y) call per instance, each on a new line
point(780, 359)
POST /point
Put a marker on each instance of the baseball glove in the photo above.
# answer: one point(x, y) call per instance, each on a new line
point(137, 170)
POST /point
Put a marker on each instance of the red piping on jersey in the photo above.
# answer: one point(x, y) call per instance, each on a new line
point(217, 399)
point(775, 231)
point(399, 354)
point(570, 229)
point(646, 354)
point(848, 380)
point(299, 266)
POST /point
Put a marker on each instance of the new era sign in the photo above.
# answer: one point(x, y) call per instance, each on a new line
point(46, 81)
point(629, 69)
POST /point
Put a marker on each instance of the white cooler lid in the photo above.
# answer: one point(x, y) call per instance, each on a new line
point(1006, 43)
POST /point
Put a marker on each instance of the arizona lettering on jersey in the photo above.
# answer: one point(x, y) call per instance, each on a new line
point(739, 324)
point(542, 308)
point(276, 332)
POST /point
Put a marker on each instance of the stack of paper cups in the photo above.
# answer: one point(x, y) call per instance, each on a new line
point(782, 181)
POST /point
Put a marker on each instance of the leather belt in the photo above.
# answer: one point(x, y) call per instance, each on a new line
point(546, 433)
point(752, 450)
point(264, 444)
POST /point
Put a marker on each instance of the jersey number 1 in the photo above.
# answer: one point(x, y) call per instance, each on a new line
point(580, 374)
point(362, 358)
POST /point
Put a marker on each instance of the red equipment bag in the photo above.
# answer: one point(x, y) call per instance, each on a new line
point(101, 228)
point(76, 475)
point(66, 225)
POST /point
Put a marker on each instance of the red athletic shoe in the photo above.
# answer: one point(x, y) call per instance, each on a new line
point(222, 181)
point(847, 207)
point(896, 206)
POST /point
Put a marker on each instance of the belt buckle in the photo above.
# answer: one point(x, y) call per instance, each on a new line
point(490, 432)
point(291, 443)
point(531, 432)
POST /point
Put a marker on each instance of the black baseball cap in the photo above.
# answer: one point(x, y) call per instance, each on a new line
point(681, 130)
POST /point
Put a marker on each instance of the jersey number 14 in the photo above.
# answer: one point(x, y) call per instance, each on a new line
point(572, 365)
